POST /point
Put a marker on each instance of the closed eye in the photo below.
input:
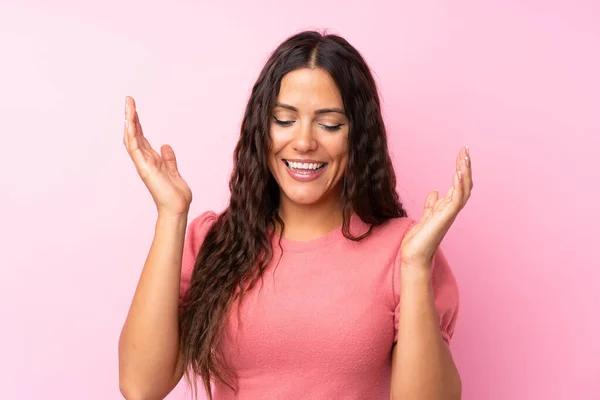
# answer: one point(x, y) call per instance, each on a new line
point(282, 123)
point(331, 128)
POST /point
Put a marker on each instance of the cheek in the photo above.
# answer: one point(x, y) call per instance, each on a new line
point(278, 139)
point(342, 155)
point(277, 145)
point(343, 165)
point(339, 150)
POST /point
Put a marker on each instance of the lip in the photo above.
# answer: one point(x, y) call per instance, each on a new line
point(304, 177)
point(303, 160)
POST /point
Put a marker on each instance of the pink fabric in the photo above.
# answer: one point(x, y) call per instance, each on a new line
point(323, 322)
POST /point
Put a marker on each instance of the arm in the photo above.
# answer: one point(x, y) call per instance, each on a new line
point(150, 363)
point(422, 365)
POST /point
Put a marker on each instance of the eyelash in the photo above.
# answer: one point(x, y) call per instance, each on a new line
point(326, 127)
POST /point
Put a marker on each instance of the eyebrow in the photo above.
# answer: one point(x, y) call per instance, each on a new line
point(321, 111)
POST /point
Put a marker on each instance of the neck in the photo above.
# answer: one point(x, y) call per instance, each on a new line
point(304, 222)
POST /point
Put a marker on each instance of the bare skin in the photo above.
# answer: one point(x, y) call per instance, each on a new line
point(308, 123)
point(422, 364)
point(150, 362)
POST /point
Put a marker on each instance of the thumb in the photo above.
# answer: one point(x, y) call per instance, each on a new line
point(168, 156)
point(430, 200)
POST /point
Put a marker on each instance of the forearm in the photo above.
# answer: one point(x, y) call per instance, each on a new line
point(149, 342)
point(424, 367)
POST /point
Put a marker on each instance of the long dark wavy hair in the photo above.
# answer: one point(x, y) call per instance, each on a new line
point(238, 247)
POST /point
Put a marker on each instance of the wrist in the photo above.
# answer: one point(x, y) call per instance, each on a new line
point(172, 218)
point(416, 275)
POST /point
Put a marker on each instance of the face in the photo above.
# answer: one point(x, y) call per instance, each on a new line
point(309, 133)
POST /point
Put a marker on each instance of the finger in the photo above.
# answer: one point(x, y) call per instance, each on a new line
point(125, 139)
point(168, 156)
point(430, 201)
point(446, 198)
point(465, 168)
point(134, 116)
point(457, 190)
point(448, 195)
point(134, 140)
point(138, 159)
point(133, 126)
point(129, 108)
point(125, 124)
point(140, 140)
point(131, 138)
point(462, 153)
point(130, 130)
point(468, 173)
point(138, 125)
point(143, 142)
point(135, 153)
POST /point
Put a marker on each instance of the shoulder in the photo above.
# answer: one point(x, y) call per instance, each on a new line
point(198, 228)
point(393, 230)
point(195, 235)
point(204, 219)
point(385, 239)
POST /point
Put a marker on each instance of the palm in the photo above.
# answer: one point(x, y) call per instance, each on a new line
point(422, 240)
point(158, 171)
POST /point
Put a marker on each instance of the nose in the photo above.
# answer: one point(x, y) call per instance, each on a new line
point(304, 139)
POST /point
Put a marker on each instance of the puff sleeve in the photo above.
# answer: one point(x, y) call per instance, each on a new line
point(445, 291)
point(196, 232)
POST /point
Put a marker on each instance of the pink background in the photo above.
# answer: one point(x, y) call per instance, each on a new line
point(516, 81)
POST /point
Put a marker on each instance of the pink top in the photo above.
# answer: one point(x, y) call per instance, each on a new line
point(322, 324)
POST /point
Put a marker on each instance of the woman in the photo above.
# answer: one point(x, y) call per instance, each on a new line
point(315, 217)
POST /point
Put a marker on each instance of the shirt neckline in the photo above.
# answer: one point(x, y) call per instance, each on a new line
point(357, 227)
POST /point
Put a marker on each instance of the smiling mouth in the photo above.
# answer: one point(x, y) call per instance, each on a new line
point(306, 168)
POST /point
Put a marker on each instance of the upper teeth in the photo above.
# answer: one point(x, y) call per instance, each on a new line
point(299, 165)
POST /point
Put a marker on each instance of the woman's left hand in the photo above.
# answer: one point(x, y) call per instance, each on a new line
point(422, 240)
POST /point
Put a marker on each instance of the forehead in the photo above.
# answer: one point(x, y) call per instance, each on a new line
point(309, 89)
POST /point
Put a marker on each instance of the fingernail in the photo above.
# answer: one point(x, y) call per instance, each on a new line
point(467, 148)
point(467, 161)
point(460, 176)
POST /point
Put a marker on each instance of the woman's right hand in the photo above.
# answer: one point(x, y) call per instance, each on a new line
point(159, 172)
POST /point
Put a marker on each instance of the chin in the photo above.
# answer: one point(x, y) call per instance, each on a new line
point(304, 197)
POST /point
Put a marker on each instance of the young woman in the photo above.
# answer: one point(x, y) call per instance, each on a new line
point(355, 299)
